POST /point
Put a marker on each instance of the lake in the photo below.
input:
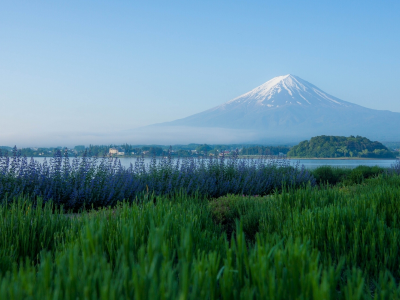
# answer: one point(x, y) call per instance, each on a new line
point(308, 163)
point(345, 163)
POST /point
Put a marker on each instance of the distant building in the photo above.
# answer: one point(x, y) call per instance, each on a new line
point(121, 153)
point(223, 153)
point(113, 151)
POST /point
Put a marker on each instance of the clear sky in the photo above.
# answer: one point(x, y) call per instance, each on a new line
point(78, 68)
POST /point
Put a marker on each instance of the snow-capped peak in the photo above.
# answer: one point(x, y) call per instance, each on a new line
point(283, 91)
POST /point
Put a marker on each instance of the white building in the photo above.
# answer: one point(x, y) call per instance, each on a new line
point(113, 151)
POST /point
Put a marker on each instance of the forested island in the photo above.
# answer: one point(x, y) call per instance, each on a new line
point(339, 146)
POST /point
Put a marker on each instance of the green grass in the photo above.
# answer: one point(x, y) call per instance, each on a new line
point(340, 242)
point(335, 175)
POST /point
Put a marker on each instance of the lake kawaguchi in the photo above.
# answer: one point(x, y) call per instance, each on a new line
point(308, 163)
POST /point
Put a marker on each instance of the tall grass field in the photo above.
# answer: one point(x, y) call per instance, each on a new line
point(307, 236)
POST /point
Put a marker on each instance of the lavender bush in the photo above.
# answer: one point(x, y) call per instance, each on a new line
point(88, 181)
point(395, 168)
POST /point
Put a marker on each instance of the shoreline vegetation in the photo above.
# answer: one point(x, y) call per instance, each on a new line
point(320, 147)
point(320, 158)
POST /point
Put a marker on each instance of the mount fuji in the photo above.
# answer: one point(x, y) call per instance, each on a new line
point(288, 108)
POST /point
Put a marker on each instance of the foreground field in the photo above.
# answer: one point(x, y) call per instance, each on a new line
point(310, 243)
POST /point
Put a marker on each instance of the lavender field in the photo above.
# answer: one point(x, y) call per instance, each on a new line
point(93, 182)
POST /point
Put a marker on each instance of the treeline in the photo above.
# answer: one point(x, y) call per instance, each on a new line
point(126, 149)
point(92, 150)
point(393, 146)
point(264, 150)
point(30, 152)
point(189, 150)
point(320, 146)
point(340, 146)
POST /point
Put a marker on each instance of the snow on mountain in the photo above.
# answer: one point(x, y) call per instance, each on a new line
point(283, 91)
point(292, 107)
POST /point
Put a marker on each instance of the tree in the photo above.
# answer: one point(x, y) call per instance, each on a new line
point(79, 148)
point(203, 148)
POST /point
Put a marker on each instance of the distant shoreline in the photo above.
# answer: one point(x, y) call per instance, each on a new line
point(322, 158)
point(341, 158)
point(248, 157)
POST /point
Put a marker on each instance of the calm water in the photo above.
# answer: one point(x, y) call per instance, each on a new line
point(308, 163)
point(346, 163)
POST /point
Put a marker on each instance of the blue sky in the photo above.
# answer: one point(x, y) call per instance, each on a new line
point(68, 68)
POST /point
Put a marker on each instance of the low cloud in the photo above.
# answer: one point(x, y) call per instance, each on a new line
point(145, 135)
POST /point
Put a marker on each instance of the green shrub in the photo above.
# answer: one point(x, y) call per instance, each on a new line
point(231, 208)
point(358, 174)
point(331, 175)
point(335, 175)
